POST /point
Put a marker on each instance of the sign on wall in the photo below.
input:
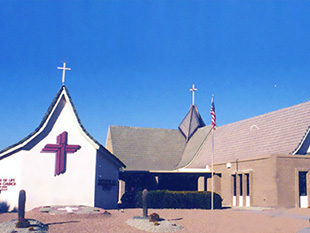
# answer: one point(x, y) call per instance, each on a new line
point(106, 184)
point(5, 183)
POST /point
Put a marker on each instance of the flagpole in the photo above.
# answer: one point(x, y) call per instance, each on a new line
point(212, 177)
point(212, 111)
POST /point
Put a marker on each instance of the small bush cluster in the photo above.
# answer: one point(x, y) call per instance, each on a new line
point(4, 207)
point(180, 199)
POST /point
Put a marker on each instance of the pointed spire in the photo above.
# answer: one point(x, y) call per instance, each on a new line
point(192, 120)
point(191, 123)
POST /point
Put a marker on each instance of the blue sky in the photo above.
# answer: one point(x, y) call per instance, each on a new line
point(133, 62)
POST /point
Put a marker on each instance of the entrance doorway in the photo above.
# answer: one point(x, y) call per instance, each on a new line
point(303, 197)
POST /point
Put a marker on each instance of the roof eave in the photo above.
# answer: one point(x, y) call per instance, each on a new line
point(112, 157)
point(62, 92)
point(19, 145)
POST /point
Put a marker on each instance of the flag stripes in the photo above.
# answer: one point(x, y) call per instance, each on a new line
point(212, 112)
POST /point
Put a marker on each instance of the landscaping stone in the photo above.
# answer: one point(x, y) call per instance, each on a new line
point(34, 226)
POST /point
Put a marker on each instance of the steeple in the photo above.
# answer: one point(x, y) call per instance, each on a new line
point(192, 120)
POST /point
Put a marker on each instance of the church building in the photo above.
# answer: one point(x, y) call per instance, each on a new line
point(263, 161)
point(59, 163)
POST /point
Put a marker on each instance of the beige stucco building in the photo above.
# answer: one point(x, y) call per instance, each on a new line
point(262, 161)
point(266, 181)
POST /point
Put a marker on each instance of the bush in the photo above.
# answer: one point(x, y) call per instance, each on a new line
point(179, 199)
point(128, 200)
point(15, 210)
point(4, 207)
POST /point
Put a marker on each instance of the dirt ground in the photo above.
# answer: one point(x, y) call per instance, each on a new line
point(194, 220)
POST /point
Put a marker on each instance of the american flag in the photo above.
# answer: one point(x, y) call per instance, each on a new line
point(212, 112)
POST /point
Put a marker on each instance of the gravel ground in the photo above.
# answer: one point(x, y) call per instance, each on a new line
point(36, 226)
point(160, 226)
point(226, 220)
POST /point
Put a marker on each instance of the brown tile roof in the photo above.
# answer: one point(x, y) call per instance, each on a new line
point(278, 132)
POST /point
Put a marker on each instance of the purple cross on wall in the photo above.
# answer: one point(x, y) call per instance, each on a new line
point(61, 149)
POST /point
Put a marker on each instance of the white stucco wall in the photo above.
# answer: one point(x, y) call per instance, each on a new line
point(10, 169)
point(34, 171)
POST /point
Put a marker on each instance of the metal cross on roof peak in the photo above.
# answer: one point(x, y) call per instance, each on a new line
point(63, 72)
point(193, 89)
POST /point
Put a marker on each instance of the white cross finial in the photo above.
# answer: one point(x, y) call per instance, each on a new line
point(63, 72)
point(193, 89)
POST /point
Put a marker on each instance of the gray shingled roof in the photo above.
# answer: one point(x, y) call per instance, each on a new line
point(147, 148)
point(285, 131)
point(278, 132)
point(194, 145)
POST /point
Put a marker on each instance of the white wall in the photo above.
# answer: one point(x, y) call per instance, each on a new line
point(10, 169)
point(34, 170)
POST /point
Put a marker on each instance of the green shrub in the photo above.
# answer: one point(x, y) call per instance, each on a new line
point(4, 207)
point(160, 199)
point(128, 200)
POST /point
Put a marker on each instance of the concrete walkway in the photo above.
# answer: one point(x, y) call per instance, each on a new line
point(272, 212)
point(276, 213)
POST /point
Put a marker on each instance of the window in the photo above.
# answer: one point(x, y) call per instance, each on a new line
point(235, 185)
point(302, 183)
point(240, 181)
point(247, 177)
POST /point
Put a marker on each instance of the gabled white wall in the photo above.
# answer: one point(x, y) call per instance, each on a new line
point(34, 170)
